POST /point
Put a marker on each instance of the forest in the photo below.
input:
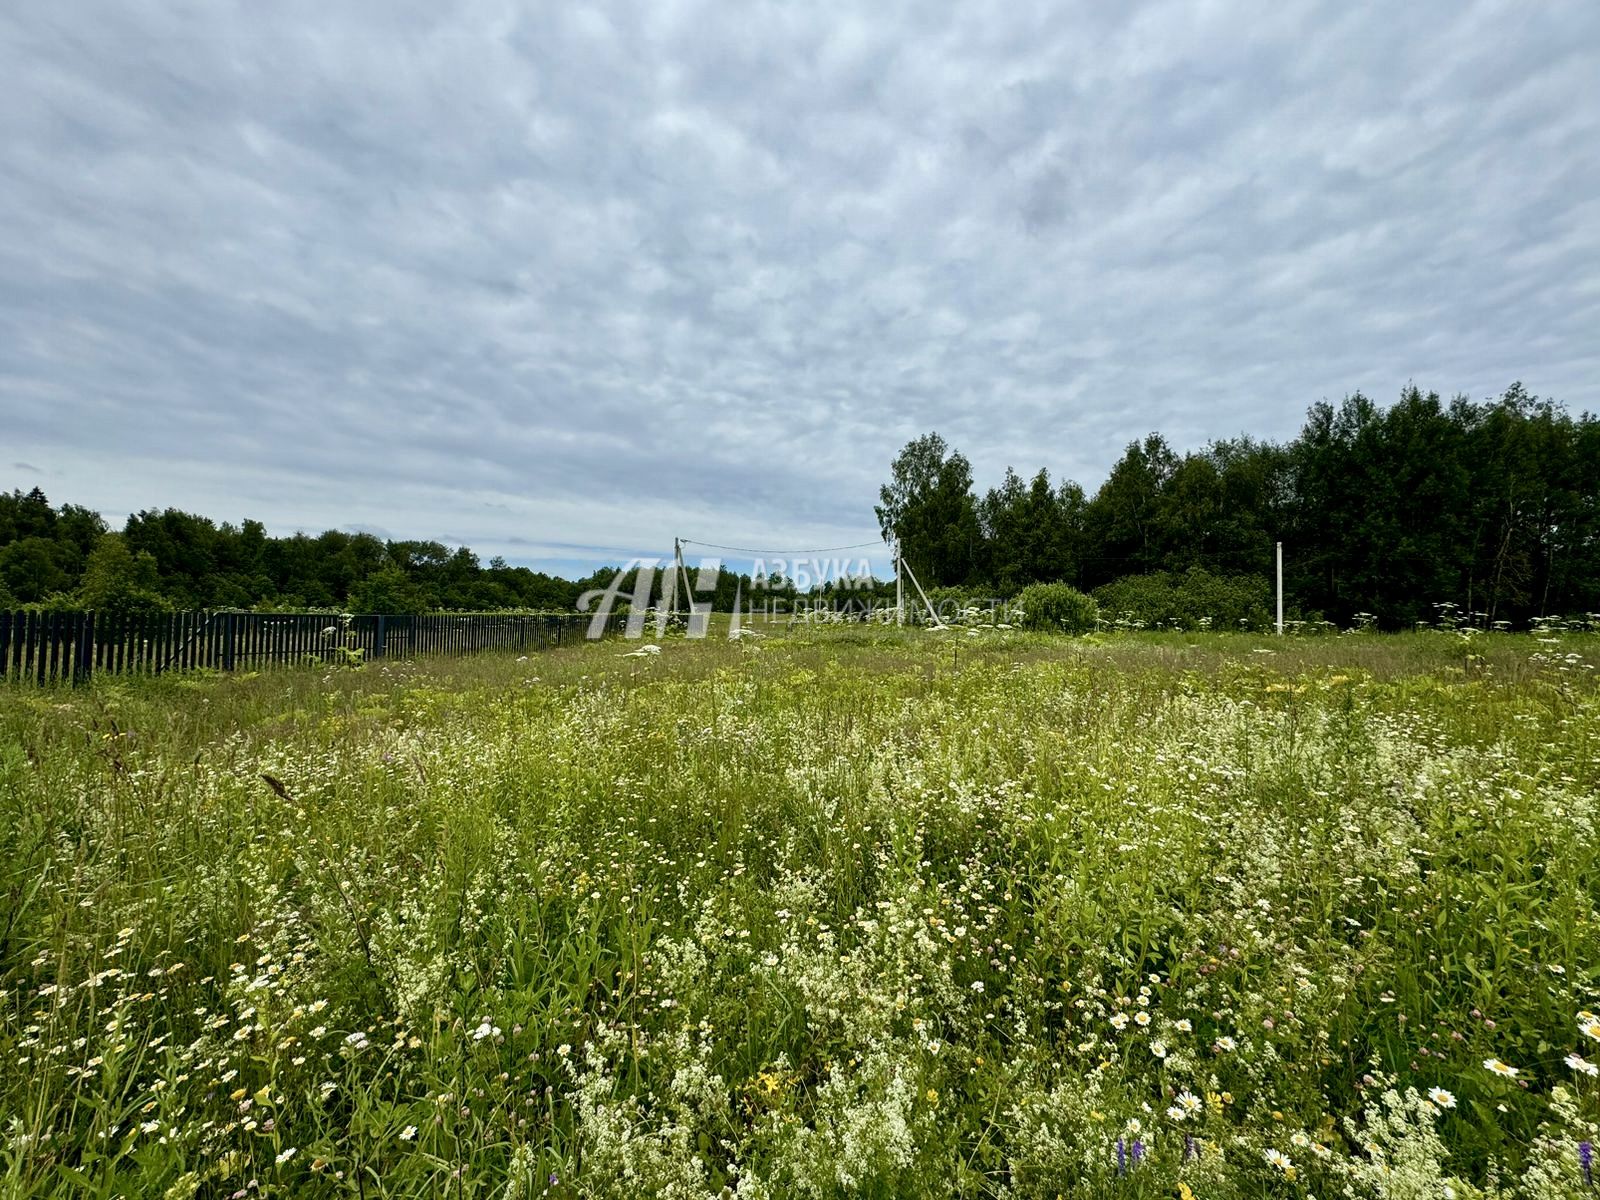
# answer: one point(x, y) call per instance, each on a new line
point(1385, 512)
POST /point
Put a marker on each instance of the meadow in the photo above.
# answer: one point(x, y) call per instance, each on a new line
point(851, 912)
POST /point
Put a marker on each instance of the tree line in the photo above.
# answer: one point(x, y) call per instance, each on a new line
point(162, 560)
point(67, 556)
point(1384, 512)
point(1493, 506)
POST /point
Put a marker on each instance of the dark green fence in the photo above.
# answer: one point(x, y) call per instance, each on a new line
point(46, 647)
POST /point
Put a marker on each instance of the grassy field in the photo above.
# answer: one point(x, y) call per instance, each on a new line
point(848, 913)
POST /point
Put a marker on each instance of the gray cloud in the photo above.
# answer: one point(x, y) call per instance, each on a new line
point(558, 280)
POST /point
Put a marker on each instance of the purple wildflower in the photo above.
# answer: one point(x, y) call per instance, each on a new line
point(1138, 1151)
point(1586, 1161)
point(1122, 1158)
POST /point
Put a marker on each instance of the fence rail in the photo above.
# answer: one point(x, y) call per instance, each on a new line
point(49, 647)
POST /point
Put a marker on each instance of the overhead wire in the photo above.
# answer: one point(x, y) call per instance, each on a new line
point(748, 550)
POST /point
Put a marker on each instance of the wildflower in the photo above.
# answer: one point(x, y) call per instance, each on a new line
point(1141, 1018)
point(1159, 1049)
point(1591, 1027)
point(1226, 1044)
point(1183, 1025)
point(1299, 1140)
point(409, 1132)
point(1277, 1158)
point(485, 1030)
point(1578, 1063)
point(564, 1049)
point(1188, 1101)
point(1500, 1068)
point(1119, 1021)
point(977, 985)
point(285, 1155)
point(1441, 1097)
point(933, 1095)
point(1586, 1161)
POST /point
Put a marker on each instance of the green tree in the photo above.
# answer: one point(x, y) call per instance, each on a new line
point(928, 507)
point(1127, 519)
point(388, 590)
point(25, 515)
point(35, 568)
point(117, 580)
point(1031, 532)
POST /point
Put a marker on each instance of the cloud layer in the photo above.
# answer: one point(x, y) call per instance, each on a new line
point(561, 281)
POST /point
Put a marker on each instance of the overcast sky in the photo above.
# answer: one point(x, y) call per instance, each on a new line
point(561, 281)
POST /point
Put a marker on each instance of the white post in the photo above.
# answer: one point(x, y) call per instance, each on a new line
point(1280, 589)
point(899, 588)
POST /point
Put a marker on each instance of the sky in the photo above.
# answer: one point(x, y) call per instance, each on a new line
point(561, 281)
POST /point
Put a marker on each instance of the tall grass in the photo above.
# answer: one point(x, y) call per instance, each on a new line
point(848, 912)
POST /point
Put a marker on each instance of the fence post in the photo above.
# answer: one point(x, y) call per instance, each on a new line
point(83, 650)
point(377, 637)
point(227, 641)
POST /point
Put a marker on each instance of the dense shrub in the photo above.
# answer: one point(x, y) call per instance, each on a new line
point(1195, 599)
point(1057, 606)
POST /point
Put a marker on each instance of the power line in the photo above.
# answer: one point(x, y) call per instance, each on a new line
point(748, 550)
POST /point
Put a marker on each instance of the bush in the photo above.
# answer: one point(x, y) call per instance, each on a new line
point(1195, 599)
point(1057, 607)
